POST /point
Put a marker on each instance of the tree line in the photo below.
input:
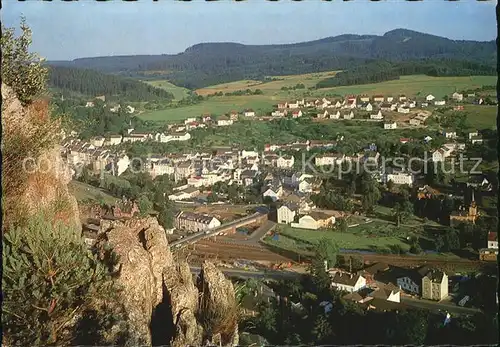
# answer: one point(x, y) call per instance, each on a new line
point(381, 71)
point(94, 83)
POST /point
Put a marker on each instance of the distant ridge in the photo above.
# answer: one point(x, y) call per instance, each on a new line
point(217, 62)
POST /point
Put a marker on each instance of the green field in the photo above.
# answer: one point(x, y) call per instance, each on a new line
point(85, 192)
point(178, 92)
point(420, 85)
point(481, 117)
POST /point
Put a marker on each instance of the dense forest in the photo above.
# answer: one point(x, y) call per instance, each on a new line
point(212, 63)
point(385, 71)
point(94, 83)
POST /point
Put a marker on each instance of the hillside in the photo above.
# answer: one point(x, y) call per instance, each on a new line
point(213, 63)
point(93, 83)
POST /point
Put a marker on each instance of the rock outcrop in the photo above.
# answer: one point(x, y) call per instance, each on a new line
point(198, 314)
point(35, 177)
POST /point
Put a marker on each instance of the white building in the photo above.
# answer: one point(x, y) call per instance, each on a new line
point(457, 96)
point(404, 109)
point(439, 103)
point(335, 115)
point(286, 213)
point(224, 121)
point(348, 282)
point(195, 222)
point(492, 240)
point(249, 113)
point(430, 97)
point(390, 125)
point(349, 115)
point(401, 178)
point(441, 154)
point(285, 162)
point(377, 116)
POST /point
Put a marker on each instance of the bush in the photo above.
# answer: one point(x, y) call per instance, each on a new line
point(49, 279)
point(22, 70)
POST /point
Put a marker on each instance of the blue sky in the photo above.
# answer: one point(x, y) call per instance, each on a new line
point(86, 28)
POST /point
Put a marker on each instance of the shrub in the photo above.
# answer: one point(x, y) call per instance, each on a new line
point(49, 279)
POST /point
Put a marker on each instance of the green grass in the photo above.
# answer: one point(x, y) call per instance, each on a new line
point(481, 117)
point(178, 92)
point(214, 106)
point(411, 85)
point(84, 192)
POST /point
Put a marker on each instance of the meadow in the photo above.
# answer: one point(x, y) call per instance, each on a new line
point(481, 117)
point(178, 92)
point(418, 85)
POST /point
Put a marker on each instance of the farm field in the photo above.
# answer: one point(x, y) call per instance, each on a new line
point(420, 85)
point(308, 80)
point(178, 92)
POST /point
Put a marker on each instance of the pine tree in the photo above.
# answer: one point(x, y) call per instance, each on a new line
point(49, 278)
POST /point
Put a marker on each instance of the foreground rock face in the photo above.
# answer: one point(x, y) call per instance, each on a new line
point(28, 132)
point(198, 314)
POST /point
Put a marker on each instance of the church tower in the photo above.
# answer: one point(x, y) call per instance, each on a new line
point(473, 207)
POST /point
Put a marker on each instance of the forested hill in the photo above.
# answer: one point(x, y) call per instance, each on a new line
point(211, 63)
point(94, 83)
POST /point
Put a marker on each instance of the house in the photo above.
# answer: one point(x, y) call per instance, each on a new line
point(304, 204)
point(279, 113)
point(189, 120)
point(371, 271)
point(348, 282)
point(183, 170)
point(427, 139)
point(476, 139)
point(325, 159)
point(441, 154)
point(297, 114)
point(314, 221)
point(386, 107)
point(273, 191)
point(337, 104)
point(366, 106)
point(115, 109)
point(378, 98)
point(97, 141)
point(411, 282)
point(450, 134)
point(130, 109)
point(404, 109)
point(249, 113)
point(402, 97)
point(349, 115)
point(323, 114)
point(89, 104)
point(286, 213)
point(424, 104)
point(479, 182)
point(161, 167)
point(401, 178)
point(137, 137)
point(195, 222)
point(434, 285)
point(285, 162)
point(293, 105)
point(411, 104)
point(492, 240)
point(224, 121)
point(184, 194)
point(247, 177)
point(387, 292)
point(113, 140)
point(457, 96)
point(439, 103)
point(390, 98)
point(364, 98)
point(430, 97)
point(377, 116)
point(335, 115)
point(305, 186)
point(390, 125)
point(282, 106)
point(206, 118)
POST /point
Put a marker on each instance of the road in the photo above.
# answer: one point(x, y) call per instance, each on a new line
point(203, 234)
point(268, 274)
point(431, 305)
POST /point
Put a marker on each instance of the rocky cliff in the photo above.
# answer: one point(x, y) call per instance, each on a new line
point(34, 176)
point(193, 313)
